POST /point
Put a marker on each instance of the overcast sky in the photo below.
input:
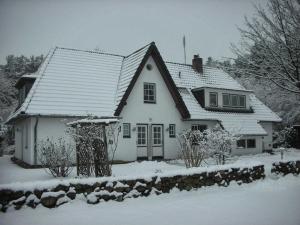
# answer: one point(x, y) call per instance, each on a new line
point(32, 27)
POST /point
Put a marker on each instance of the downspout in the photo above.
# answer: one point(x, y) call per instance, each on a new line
point(35, 139)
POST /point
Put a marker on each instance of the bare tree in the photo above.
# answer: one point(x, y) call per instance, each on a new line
point(56, 157)
point(270, 46)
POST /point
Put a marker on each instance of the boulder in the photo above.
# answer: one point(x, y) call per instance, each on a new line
point(49, 199)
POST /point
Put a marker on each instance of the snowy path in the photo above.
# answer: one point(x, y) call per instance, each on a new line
point(264, 202)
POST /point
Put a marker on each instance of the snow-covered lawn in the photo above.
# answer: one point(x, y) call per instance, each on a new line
point(263, 202)
point(11, 173)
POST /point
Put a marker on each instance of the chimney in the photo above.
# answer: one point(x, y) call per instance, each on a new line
point(197, 64)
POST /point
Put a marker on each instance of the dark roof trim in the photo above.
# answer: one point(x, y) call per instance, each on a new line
point(153, 51)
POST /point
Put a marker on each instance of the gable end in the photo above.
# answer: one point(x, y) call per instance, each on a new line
point(153, 51)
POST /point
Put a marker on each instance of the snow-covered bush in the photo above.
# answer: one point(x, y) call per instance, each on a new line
point(197, 145)
point(56, 157)
point(285, 138)
point(220, 143)
point(193, 146)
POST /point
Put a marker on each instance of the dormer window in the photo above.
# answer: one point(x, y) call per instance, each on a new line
point(234, 101)
point(149, 93)
point(213, 99)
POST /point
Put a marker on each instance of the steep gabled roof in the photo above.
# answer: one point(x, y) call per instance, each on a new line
point(131, 71)
point(73, 82)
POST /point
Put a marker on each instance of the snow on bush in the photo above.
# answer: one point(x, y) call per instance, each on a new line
point(196, 145)
point(56, 157)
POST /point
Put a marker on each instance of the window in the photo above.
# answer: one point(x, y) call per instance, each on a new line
point(213, 99)
point(199, 127)
point(149, 93)
point(234, 100)
point(251, 143)
point(241, 143)
point(172, 131)
point(141, 135)
point(126, 130)
point(226, 100)
point(242, 101)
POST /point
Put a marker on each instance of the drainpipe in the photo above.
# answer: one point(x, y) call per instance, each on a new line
point(35, 139)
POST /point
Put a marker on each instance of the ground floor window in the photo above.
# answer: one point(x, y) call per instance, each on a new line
point(246, 143)
point(172, 131)
point(126, 130)
point(251, 143)
point(241, 143)
point(199, 127)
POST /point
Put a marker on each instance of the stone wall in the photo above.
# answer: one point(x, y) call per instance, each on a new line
point(286, 167)
point(119, 189)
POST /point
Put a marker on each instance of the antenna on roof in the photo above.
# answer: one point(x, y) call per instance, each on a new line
point(183, 42)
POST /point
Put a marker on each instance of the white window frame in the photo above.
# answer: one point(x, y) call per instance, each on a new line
point(216, 95)
point(126, 131)
point(147, 90)
point(172, 130)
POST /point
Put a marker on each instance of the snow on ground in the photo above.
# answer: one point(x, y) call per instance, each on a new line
point(11, 173)
point(263, 202)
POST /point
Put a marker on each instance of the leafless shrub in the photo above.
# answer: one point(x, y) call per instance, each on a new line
point(56, 157)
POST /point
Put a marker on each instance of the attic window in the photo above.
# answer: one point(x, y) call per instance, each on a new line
point(149, 67)
point(213, 99)
point(149, 93)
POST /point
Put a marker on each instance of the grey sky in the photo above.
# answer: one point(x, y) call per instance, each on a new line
point(34, 26)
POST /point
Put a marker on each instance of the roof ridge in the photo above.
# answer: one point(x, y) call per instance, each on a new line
point(182, 64)
point(151, 43)
point(185, 64)
point(90, 51)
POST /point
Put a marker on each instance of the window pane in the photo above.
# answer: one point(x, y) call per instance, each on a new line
point(226, 100)
point(241, 143)
point(234, 100)
point(213, 99)
point(251, 143)
point(199, 127)
point(242, 102)
point(126, 130)
point(149, 92)
point(172, 130)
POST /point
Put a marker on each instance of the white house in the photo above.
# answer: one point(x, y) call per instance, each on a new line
point(153, 99)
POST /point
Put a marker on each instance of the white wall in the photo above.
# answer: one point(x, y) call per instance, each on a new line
point(268, 140)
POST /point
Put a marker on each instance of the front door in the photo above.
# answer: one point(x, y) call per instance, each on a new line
point(142, 140)
point(157, 140)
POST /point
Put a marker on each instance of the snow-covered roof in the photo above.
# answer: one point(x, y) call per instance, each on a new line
point(73, 82)
point(31, 75)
